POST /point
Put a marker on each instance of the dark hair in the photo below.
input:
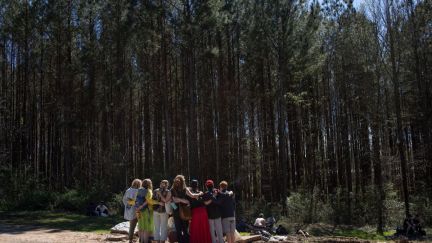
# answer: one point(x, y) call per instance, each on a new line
point(194, 184)
point(210, 187)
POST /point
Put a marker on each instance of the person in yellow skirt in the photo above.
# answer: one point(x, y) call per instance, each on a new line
point(144, 210)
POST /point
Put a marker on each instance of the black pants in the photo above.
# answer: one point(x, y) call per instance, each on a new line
point(181, 228)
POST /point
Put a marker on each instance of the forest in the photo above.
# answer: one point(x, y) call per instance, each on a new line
point(314, 106)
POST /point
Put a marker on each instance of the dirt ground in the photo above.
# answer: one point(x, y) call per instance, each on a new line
point(34, 234)
point(21, 234)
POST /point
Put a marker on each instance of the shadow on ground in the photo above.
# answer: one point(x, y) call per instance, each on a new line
point(55, 221)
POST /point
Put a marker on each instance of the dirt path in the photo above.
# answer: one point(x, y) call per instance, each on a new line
point(21, 233)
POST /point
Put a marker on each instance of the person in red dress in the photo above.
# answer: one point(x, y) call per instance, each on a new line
point(199, 226)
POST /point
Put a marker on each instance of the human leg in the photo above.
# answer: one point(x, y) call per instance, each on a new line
point(218, 230)
point(157, 225)
point(163, 227)
point(132, 225)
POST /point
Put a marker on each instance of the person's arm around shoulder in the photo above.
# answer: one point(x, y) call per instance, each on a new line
point(193, 195)
point(180, 200)
point(149, 198)
point(167, 198)
point(207, 199)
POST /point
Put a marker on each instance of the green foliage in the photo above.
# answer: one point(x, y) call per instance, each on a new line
point(305, 207)
point(394, 207)
point(423, 207)
point(116, 204)
point(72, 200)
point(358, 233)
point(251, 212)
point(36, 200)
point(296, 206)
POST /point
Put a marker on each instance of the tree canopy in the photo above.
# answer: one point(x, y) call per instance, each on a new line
point(275, 97)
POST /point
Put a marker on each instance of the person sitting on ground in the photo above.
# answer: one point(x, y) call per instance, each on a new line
point(281, 230)
point(418, 225)
point(260, 221)
point(102, 210)
point(241, 225)
point(270, 221)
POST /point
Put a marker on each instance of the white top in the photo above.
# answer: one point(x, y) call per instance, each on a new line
point(101, 208)
point(261, 222)
point(129, 202)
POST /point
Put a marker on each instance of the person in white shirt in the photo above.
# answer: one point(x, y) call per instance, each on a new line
point(129, 199)
point(102, 210)
point(260, 221)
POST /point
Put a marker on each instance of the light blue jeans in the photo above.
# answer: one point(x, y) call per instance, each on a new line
point(216, 230)
point(160, 221)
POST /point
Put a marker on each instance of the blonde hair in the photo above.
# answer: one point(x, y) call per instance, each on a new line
point(182, 185)
point(136, 183)
point(223, 184)
point(166, 182)
point(147, 183)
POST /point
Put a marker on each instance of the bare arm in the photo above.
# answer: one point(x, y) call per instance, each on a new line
point(180, 200)
point(193, 195)
point(167, 198)
point(142, 206)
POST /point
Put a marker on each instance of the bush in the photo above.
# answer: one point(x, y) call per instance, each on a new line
point(307, 207)
point(72, 200)
point(423, 207)
point(296, 207)
point(35, 200)
point(116, 204)
point(394, 207)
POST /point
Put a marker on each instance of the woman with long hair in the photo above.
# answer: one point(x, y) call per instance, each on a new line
point(145, 210)
point(180, 194)
point(199, 227)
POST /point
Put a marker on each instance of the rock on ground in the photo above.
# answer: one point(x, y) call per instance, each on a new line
point(122, 228)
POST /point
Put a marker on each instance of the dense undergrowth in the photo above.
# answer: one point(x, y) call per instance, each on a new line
point(301, 208)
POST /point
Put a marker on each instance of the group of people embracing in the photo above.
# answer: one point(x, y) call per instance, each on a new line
point(199, 217)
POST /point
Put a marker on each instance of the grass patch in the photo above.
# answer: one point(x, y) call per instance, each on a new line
point(61, 220)
point(327, 230)
point(244, 233)
point(361, 234)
